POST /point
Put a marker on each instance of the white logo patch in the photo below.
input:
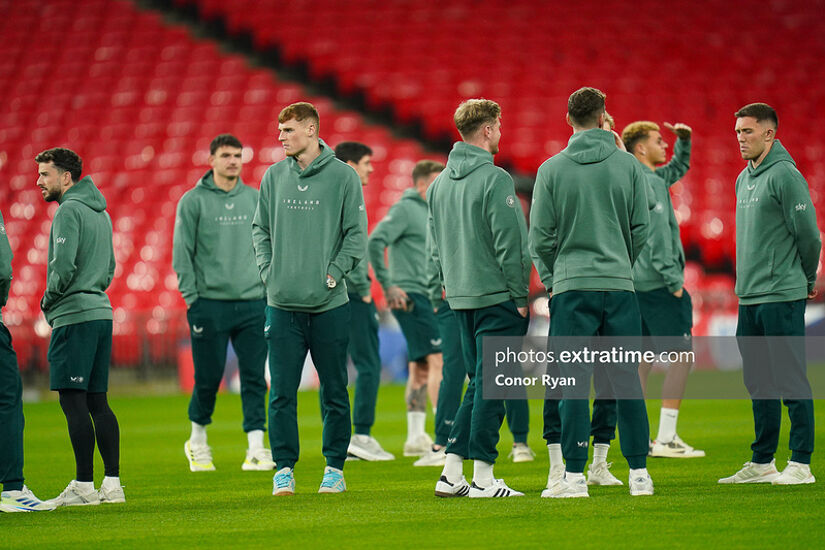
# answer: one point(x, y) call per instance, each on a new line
point(3, 229)
point(60, 240)
point(435, 342)
point(581, 443)
point(303, 187)
point(801, 207)
point(229, 205)
point(76, 379)
point(510, 200)
point(659, 208)
point(751, 187)
point(196, 329)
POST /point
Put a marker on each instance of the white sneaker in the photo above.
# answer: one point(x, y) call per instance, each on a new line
point(795, 473)
point(283, 482)
point(599, 474)
point(556, 474)
point(445, 489)
point(367, 447)
point(675, 449)
point(111, 493)
point(433, 458)
point(257, 460)
point(496, 490)
point(418, 446)
point(23, 501)
point(567, 488)
point(640, 485)
point(752, 472)
point(73, 495)
point(199, 456)
point(522, 453)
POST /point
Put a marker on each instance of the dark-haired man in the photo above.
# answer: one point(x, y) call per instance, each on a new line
point(81, 267)
point(15, 496)
point(404, 232)
point(659, 275)
point(587, 238)
point(775, 217)
point(479, 238)
point(363, 329)
point(309, 232)
point(213, 257)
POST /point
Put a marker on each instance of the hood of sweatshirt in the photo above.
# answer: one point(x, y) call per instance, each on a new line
point(465, 159)
point(777, 154)
point(326, 156)
point(207, 181)
point(590, 146)
point(412, 195)
point(85, 192)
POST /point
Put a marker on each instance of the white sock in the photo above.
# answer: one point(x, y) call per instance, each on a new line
point(198, 436)
point(85, 486)
point(453, 467)
point(415, 424)
point(255, 439)
point(556, 458)
point(641, 472)
point(110, 482)
point(572, 477)
point(482, 473)
point(667, 425)
point(600, 452)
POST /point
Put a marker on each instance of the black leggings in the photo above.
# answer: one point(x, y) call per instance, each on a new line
point(88, 416)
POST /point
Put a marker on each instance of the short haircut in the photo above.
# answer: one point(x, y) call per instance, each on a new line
point(224, 140)
point(585, 105)
point(760, 111)
point(637, 131)
point(475, 113)
point(424, 168)
point(351, 151)
point(300, 111)
point(65, 160)
point(609, 119)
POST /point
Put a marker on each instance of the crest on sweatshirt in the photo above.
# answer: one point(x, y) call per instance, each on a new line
point(510, 200)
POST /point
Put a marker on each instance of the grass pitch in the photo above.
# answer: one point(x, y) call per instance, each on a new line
point(391, 504)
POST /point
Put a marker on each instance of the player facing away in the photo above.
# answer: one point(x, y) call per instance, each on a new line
point(213, 257)
point(777, 252)
point(603, 421)
point(403, 232)
point(587, 236)
point(363, 330)
point(15, 496)
point(309, 232)
point(479, 237)
point(81, 267)
point(659, 275)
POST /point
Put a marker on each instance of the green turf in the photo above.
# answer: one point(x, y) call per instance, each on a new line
point(392, 503)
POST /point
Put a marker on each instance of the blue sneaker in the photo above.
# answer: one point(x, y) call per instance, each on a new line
point(333, 481)
point(283, 482)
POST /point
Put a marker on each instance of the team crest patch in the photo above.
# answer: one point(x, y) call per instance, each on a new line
point(510, 200)
point(659, 208)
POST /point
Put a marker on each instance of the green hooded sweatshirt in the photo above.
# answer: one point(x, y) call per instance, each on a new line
point(478, 231)
point(309, 223)
point(404, 231)
point(5, 266)
point(589, 218)
point(212, 251)
point(662, 261)
point(358, 280)
point(81, 258)
point(777, 239)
